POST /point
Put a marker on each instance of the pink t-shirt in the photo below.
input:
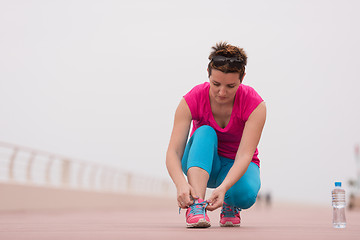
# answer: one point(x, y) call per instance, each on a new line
point(246, 100)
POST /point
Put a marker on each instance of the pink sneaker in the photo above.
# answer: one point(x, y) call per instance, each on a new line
point(230, 216)
point(196, 215)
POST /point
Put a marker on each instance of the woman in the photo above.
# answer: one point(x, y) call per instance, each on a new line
point(228, 118)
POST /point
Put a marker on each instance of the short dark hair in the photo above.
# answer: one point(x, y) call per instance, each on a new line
point(227, 50)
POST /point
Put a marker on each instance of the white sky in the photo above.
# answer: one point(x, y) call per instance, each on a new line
point(100, 81)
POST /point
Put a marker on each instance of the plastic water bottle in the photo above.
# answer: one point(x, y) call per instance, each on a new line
point(338, 203)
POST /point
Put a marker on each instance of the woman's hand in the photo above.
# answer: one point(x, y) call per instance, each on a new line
point(216, 199)
point(185, 195)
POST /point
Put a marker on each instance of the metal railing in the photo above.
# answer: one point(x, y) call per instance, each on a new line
point(24, 165)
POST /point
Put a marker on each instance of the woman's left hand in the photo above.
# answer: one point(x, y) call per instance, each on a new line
point(216, 199)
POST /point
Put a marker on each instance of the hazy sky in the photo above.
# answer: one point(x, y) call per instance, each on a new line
point(100, 81)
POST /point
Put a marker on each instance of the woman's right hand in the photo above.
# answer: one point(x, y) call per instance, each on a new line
point(185, 195)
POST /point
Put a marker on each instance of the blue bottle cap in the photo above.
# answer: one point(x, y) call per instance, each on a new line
point(337, 184)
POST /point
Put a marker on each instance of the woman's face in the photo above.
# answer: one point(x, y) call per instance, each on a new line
point(223, 86)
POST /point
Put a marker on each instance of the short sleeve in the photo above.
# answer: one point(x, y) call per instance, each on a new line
point(251, 100)
point(192, 98)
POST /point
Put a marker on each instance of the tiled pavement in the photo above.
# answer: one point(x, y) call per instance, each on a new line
point(147, 222)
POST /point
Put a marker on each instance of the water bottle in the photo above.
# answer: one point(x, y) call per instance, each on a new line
point(338, 203)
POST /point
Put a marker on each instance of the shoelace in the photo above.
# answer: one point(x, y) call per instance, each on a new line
point(227, 211)
point(198, 210)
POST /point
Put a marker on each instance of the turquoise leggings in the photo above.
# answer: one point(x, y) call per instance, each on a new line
point(201, 151)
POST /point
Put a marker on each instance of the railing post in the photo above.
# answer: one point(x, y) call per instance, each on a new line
point(129, 182)
point(81, 175)
point(65, 173)
point(29, 167)
point(121, 182)
point(111, 181)
point(93, 177)
point(103, 179)
point(48, 170)
point(12, 163)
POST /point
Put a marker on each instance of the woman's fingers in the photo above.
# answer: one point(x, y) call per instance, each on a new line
point(214, 205)
point(185, 201)
point(182, 205)
point(215, 201)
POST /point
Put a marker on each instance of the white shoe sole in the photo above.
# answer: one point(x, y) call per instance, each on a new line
point(229, 224)
point(202, 223)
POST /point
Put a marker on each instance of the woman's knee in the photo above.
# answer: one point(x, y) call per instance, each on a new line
point(201, 150)
point(248, 201)
point(205, 131)
point(243, 197)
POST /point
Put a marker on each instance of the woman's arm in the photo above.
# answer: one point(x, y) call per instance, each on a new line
point(249, 141)
point(175, 152)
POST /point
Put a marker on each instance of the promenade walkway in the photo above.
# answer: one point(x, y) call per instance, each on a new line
point(147, 220)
